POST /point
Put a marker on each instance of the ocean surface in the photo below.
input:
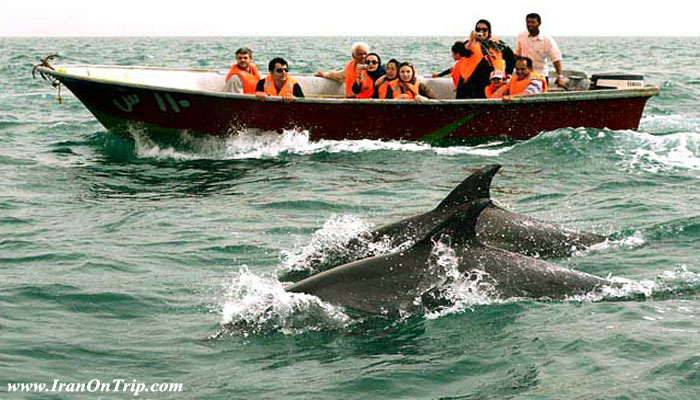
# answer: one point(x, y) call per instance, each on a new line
point(127, 259)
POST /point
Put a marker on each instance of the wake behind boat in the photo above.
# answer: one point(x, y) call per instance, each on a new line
point(165, 101)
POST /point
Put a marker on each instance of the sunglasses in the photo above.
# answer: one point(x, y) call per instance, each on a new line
point(281, 70)
point(481, 29)
point(372, 62)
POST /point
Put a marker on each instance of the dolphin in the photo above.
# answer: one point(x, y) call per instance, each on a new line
point(395, 283)
point(496, 226)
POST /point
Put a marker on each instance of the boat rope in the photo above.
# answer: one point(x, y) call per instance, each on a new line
point(54, 82)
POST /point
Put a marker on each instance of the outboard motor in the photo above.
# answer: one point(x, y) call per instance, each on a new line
point(616, 81)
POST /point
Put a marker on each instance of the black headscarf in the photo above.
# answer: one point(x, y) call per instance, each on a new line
point(380, 69)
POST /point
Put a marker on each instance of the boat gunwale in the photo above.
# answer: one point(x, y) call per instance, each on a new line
point(549, 97)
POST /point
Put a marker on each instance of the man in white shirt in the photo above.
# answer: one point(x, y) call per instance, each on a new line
point(539, 46)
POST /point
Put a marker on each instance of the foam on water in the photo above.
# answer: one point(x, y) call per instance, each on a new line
point(655, 154)
point(257, 144)
point(632, 241)
point(330, 246)
point(258, 305)
point(679, 281)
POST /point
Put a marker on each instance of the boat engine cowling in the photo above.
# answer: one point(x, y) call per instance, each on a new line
point(616, 81)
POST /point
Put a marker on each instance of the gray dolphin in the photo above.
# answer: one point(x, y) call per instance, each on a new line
point(395, 282)
point(496, 226)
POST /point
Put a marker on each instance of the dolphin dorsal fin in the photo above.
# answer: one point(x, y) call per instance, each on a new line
point(461, 224)
point(475, 186)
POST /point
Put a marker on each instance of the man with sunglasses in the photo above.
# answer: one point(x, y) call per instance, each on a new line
point(539, 46)
point(484, 54)
point(278, 82)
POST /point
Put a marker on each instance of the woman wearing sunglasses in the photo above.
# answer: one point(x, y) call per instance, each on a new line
point(365, 86)
point(278, 82)
point(485, 53)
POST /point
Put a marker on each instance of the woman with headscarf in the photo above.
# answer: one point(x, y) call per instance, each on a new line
point(485, 53)
point(407, 86)
point(365, 84)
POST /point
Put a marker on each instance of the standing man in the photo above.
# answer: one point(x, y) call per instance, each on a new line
point(539, 46)
point(353, 68)
point(244, 75)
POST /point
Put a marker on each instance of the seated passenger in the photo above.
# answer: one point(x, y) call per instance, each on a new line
point(459, 54)
point(392, 73)
point(365, 84)
point(526, 81)
point(244, 75)
point(498, 86)
point(408, 87)
point(278, 82)
point(348, 75)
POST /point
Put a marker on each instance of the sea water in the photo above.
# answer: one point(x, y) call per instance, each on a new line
point(128, 259)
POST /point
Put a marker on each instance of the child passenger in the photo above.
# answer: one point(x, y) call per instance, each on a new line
point(498, 86)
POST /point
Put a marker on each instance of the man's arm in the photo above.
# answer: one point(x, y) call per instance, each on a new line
point(334, 75)
point(234, 85)
point(555, 55)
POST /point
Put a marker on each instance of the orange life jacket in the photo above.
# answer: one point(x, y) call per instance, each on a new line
point(469, 66)
point(519, 86)
point(366, 86)
point(382, 89)
point(493, 93)
point(350, 77)
point(250, 78)
point(457, 69)
point(411, 89)
point(287, 88)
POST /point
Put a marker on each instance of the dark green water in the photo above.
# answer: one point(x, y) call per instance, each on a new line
point(123, 259)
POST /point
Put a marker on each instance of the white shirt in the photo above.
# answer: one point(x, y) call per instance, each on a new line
point(234, 85)
point(538, 48)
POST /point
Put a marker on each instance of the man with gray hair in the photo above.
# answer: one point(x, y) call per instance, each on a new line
point(359, 52)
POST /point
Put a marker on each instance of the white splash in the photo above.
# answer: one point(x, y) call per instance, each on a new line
point(257, 144)
point(461, 291)
point(256, 305)
point(668, 282)
point(330, 239)
point(634, 241)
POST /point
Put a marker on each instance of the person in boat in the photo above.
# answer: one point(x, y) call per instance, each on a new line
point(364, 86)
point(539, 46)
point(459, 54)
point(353, 68)
point(407, 86)
point(485, 53)
point(243, 76)
point(278, 82)
point(392, 73)
point(499, 86)
point(525, 81)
